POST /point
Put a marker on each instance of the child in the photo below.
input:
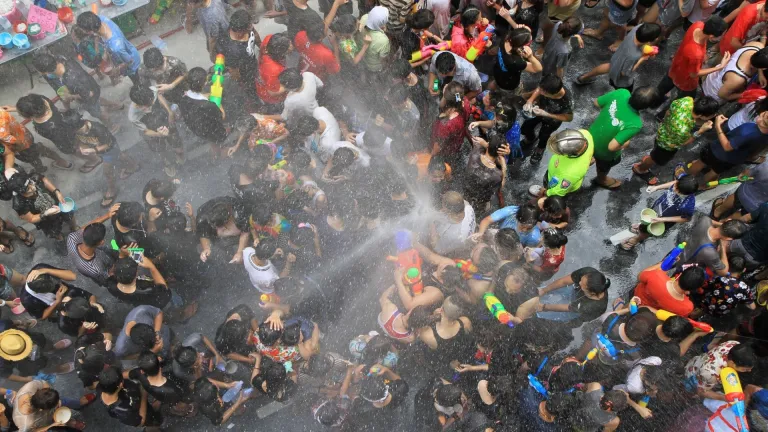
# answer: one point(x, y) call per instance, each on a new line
point(676, 205)
point(557, 52)
point(93, 138)
point(150, 113)
point(345, 47)
point(523, 219)
point(546, 260)
point(259, 130)
point(93, 53)
point(416, 34)
point(554, 212)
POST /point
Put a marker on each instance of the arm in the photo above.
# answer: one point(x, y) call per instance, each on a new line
point(157, 324)
point(722, 138)
point(556, 284)
point(310, 347)
point(432, 257)
point(52, 308)
point(236, 406)
point(686, 343)
point(67, 275)
point(189, 15)
point(484, 224)
point(554, 307)
point(384, 300)
point(732, 16)
point(153, 271)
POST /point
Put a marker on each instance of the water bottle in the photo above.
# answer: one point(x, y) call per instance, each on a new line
point(231, 394)
point(159, 43)
point(34, 353)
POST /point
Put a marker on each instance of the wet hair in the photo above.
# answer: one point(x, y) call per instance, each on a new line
point(141, 95)
point(687, 185)
point(597, 283)
point(232, 334)
point(400, 68)
point(445, 63)
point(760, 59)
point(185, 356)
point(328, 414)
point(421, 20)
point(301, 161)
point(715, 26)
point(290, 78)
point(615, 400)
point(204, 392)
point(130, 213)
point(448, 395)
point(315, 31)
point(220, 214)
point(487, 260)
point(31, 105)
point(301, 236)
point(736, 263)
point(44, 63)
point(518, 37)
point(126, 270)
point(495, 143)
point(148, 363)
point(570, 26)
point(734, 229)
point(240, 21)
point(566, 376)
point(77, 308)
point(705, 106)
point(504, 387)
point(639, 329)
point(261, 215)
point(553, 205)
point(648, 32)
point(469, 17)
point(89, 21)
point(110, 379)
point(267, 335)
point(153, 58)
point(303, 126)
point(453, 279)
point(563, 406)
point(143, 335)
point(554, 238)
point(742, 355)
point(344, 24)
point(397, 95)
point(453, 201)
point(342, 159)
point(375, 350)
point(174, 222)
point(372, 388)
point(197, 78)
point(278, 46)
point(18, 182)
point(45, 399)
point(436, 163)
point(44, 284)
point(452, 307)
point(453, 94)
point(266, 248)
point(421, 316)
point(551, 83)
point(291, 334)
point(274, 374)
point(94, 233)
point(676, 327)
point(645, 97)
point(163, 189)
point(528, 214)
point(508, 241)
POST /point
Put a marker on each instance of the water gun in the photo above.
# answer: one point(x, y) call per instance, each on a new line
point(409, 259)
point(671, 258)
point(590, 356)
point(114, 245)
point(729, 180)
point(650, 50)
point(278, 165)
point(643, 402)
point(269, 298)
point(735, 396)
point(217, 81)
point(497, 309)
point(663, 315)
point(470, 270)
point(632, 307)
point(436, 85)
point(429, 50)
point(478, 45)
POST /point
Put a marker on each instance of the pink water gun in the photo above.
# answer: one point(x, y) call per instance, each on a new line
point(429, 50)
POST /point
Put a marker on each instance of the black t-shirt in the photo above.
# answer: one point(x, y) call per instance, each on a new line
point(36, 307)
point(180, 257)
point(71, 326)
point(42, 201)
point(279, 393)
point(126, 408)
point(507, 69)
point(556, 106)
point(299, 19)
point(242, 348)
point(214, 411)
point(168, 393)
point(166, 206)
point(147, 293)
point(205, 229)
point(236, 54)
point(78, 81)
point(203, 118)
point(313, 304)
point(60, 129)
point(262, 186)
point(588, 308)
point(364, 416)
point(134, 235)
point(97, 135)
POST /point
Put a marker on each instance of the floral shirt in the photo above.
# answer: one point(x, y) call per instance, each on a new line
point(706, 368)
point(676, 128)
point(278, 353)
point(723, 293)
point(12, 133)
point(348, 49)
point(267, 130)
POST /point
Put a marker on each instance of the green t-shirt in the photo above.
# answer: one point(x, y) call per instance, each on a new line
point(564, 174)
point(377, 50)
point(617, 120)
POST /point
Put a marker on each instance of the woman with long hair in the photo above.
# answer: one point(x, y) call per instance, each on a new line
point(486, 171)
point(466, 29)
point(449, 130)
point(514, 57)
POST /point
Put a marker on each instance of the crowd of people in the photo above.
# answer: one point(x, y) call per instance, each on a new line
point(398, 129)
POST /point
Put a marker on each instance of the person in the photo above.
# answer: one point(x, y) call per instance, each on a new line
point(212, 16)
point(750, 245)
point(379, 48)
point(35, 403)
point(47, 287)
point(159, 204)
point(601, 407)
point(656, 290)
point(747, 198)
point(465, 30)
point(723, 294)
point(557, 52)
point(449, 130)
point(126, 286)
point(205, 119)
point(617, 15)
point(676, 205)
point(87, 252)
point(17, 139)
point(23, 354)
point(314, 56)
point(551, 104)
point(299, 15)
point(166, 73)
point(450, 338)
point(523, 219)
point(447, 65)
point(676, 131)
point(80, 316)
point(261, 271)
point(376, 407)
point(547, 258)
point(321, 134)
point(261, 129)
point(274, 49)
point(454, 226)
point(299, 297)
point(729, 83)
point(168, 392)
point(152, 115)
point(619, 120)
point(126, 401)
point(206, 395)
point(143, 329)
point(240, 48)
point(220, 218)
point(486, 171)
point(302, 89)
point(743, 26)
point(125, 56)
point(702, 373)
point(589, 297)
point(514, 57)
point(270, 378)
point(702, 243)
point(37, 200)
point(572, 152)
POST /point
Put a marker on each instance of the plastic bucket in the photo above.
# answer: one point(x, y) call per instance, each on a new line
point(68, 205)
point(657, 228)
point(21, 41)
point(646, 215)
point(35, 32)
point(62, 414)
point(14, 14)
point(6, 40)
point(119, 2)
point(66, 15)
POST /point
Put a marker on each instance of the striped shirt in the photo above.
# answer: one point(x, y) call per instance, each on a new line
point(97, 268)
point(398, 10)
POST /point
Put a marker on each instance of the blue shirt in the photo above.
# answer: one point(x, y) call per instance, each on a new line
point(506, 216)
point(121, 49)
point(759, 401)
point(743, 139)
point(672, 204)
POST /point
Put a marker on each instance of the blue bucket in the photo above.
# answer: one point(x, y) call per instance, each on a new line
point(68, 205)
point(6, 40)
point(21, 41)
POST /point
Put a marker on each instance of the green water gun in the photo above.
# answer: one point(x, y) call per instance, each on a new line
point(729, 180)
point(217, 81)
point(116, 247)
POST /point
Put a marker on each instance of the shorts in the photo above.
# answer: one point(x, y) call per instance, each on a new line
point(6, 290)
point(620, 17)
point(713, 162)
point(111, 155)
point(661, 156)
point(604, 166)
point(93, 107)
point(618, 87)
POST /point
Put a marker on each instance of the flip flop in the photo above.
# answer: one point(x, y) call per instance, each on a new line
point(107, 201)
point(629, 244)
point(7, 248)
point(756, 161)
point(25, 236)
point(127, 174)
point(579, 81)
point(88, 168)
point(649, 177)
point(613, 186)
point(715, 204)
point(62, 344)
point(64, 167)
point(64, 368)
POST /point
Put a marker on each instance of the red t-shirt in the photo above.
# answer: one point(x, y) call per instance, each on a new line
point(315, 57)
point(269, 70)
point(450, 133)
point(688, 60)
point(741, 25)
point(652, 291)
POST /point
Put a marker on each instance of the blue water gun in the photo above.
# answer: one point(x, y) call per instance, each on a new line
point(671, 258)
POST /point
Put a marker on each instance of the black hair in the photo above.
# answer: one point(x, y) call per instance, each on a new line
point(421, 316)
point(93, 234)
point(519, 37)
point(453, 279)
point(448, 395)
point(487, 260)
point(495, 143)
point(570, 26)
point(715, 26)
point(453, 95)
point(143, 335)
point(197, 77)
point(421, 20)
point(615, 400)
point(760, 59)
point(301, 160)
point(645, 97)
point(303, 126)
point(141, 95)
point(77, 308)
point(153, 58)
point(639, 329)
point(436, 163)
point(89, 21)
point(44, 284)
point(262, 215)
point(400, 69)
point(342, 158)
point(130, 213)
point(734, 229)
point(648, 32)
point(375, 350)
point(275, 375)
point(687, 185)
point(278, 46)
point(18, 182)
point(372, 388)
point(328, 414)
point(126, 270)
point(287, 287)
point(597, 283)
point(554, 238)
point(705, 106)
point(676, 327)
point(267, 335)
point(553, 205)
point(692, 278)
point(291, 334)
point(528, 214)
point(44, 63)
point(290, 78)
point(163, 189)
point(736, 263)
point(397, 95)
point(240, 21)
point(220, 214)
point(204, 392)
point(148, 363)
point(231, 335)
point(566, 376)
point(45, 399)
point(266, 248)
point(742, 355)
point(31, 105)
point(551, 83)
point(508, 240)
point(344, 24)
point(110, 379)
point(469, 17)
point(315, 31)
point(445, 63)
point(185, 356)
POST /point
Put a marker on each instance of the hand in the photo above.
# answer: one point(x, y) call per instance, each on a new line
point(158, 345)
point(231, 151)
point(503, 12)
point(113, 210)
point(291, 258)
point(164, 87)
point(504, 150)
point(10, 172)
point(60, 196)
point(8, 108)
point(98, 307)
point(108, 345)
point(90, 325)
point(124, 252)
point(726, 58)
point(237, 258)
point(87, 151)
point(476, 237)
point(257, 116)
point(720, 119)
point(52, 211)
point(644, 412)
point(274, 321)
point(472, 126)
point(706, 127)
point(154, 214)
point(146, 263)
point(480, 141)
point(538, 112)
point(34, 274)
point(651, 189)
point(163, 130)
point(189, 210)
point(762, 80)
point(60, 292)
point(525, 52)
point(271, 14)
point(351, 138)
point(205, 254)
point(464, 368)
point(580, 40)
point(528, 107)
point(367, 39)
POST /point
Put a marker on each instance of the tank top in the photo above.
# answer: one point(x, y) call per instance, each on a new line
point(714, 81)
point(389, 327)
point(460, 347)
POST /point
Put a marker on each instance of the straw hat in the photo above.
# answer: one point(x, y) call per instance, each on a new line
point(15, 345)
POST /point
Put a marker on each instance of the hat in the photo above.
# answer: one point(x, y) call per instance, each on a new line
point(15, 345)
point(568, 142)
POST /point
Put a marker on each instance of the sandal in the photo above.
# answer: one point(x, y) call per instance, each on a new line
point(649, 177)
point(62, 344)
point(124, 174)
point(107, 200)
point(63, 167)
point(579, 81)
point(7, 248)
point(589, 4)
point(715, 204)
point(629, 244)
point(615, 184)
point(635, 229)
point(25, 236)
point(756, 161)
point(618, 303)
point(85, 169)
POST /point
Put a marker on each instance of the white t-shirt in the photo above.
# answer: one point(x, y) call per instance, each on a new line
point(451, 235)
point(699, 14)
point(363, 159)
point(321, 146)
point(262, 277)
point(304, 101)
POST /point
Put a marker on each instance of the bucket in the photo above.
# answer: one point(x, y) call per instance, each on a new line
point(35, 32)
point(106, 3)
point(6, 40)
point(21, 41)
point(657, 228)
point(119, 2)
point(14, 14)
point(66, 15)
point(646, 215)
point(68, 205)
point(20, 27)
point(62, 414)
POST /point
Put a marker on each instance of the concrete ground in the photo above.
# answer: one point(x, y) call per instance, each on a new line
point(598, 213)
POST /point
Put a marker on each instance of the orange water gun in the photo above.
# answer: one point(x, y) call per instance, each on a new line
point(663, 315)
point(479, 44)
point(408, 258)
point(269, 298)
point(650, 50)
